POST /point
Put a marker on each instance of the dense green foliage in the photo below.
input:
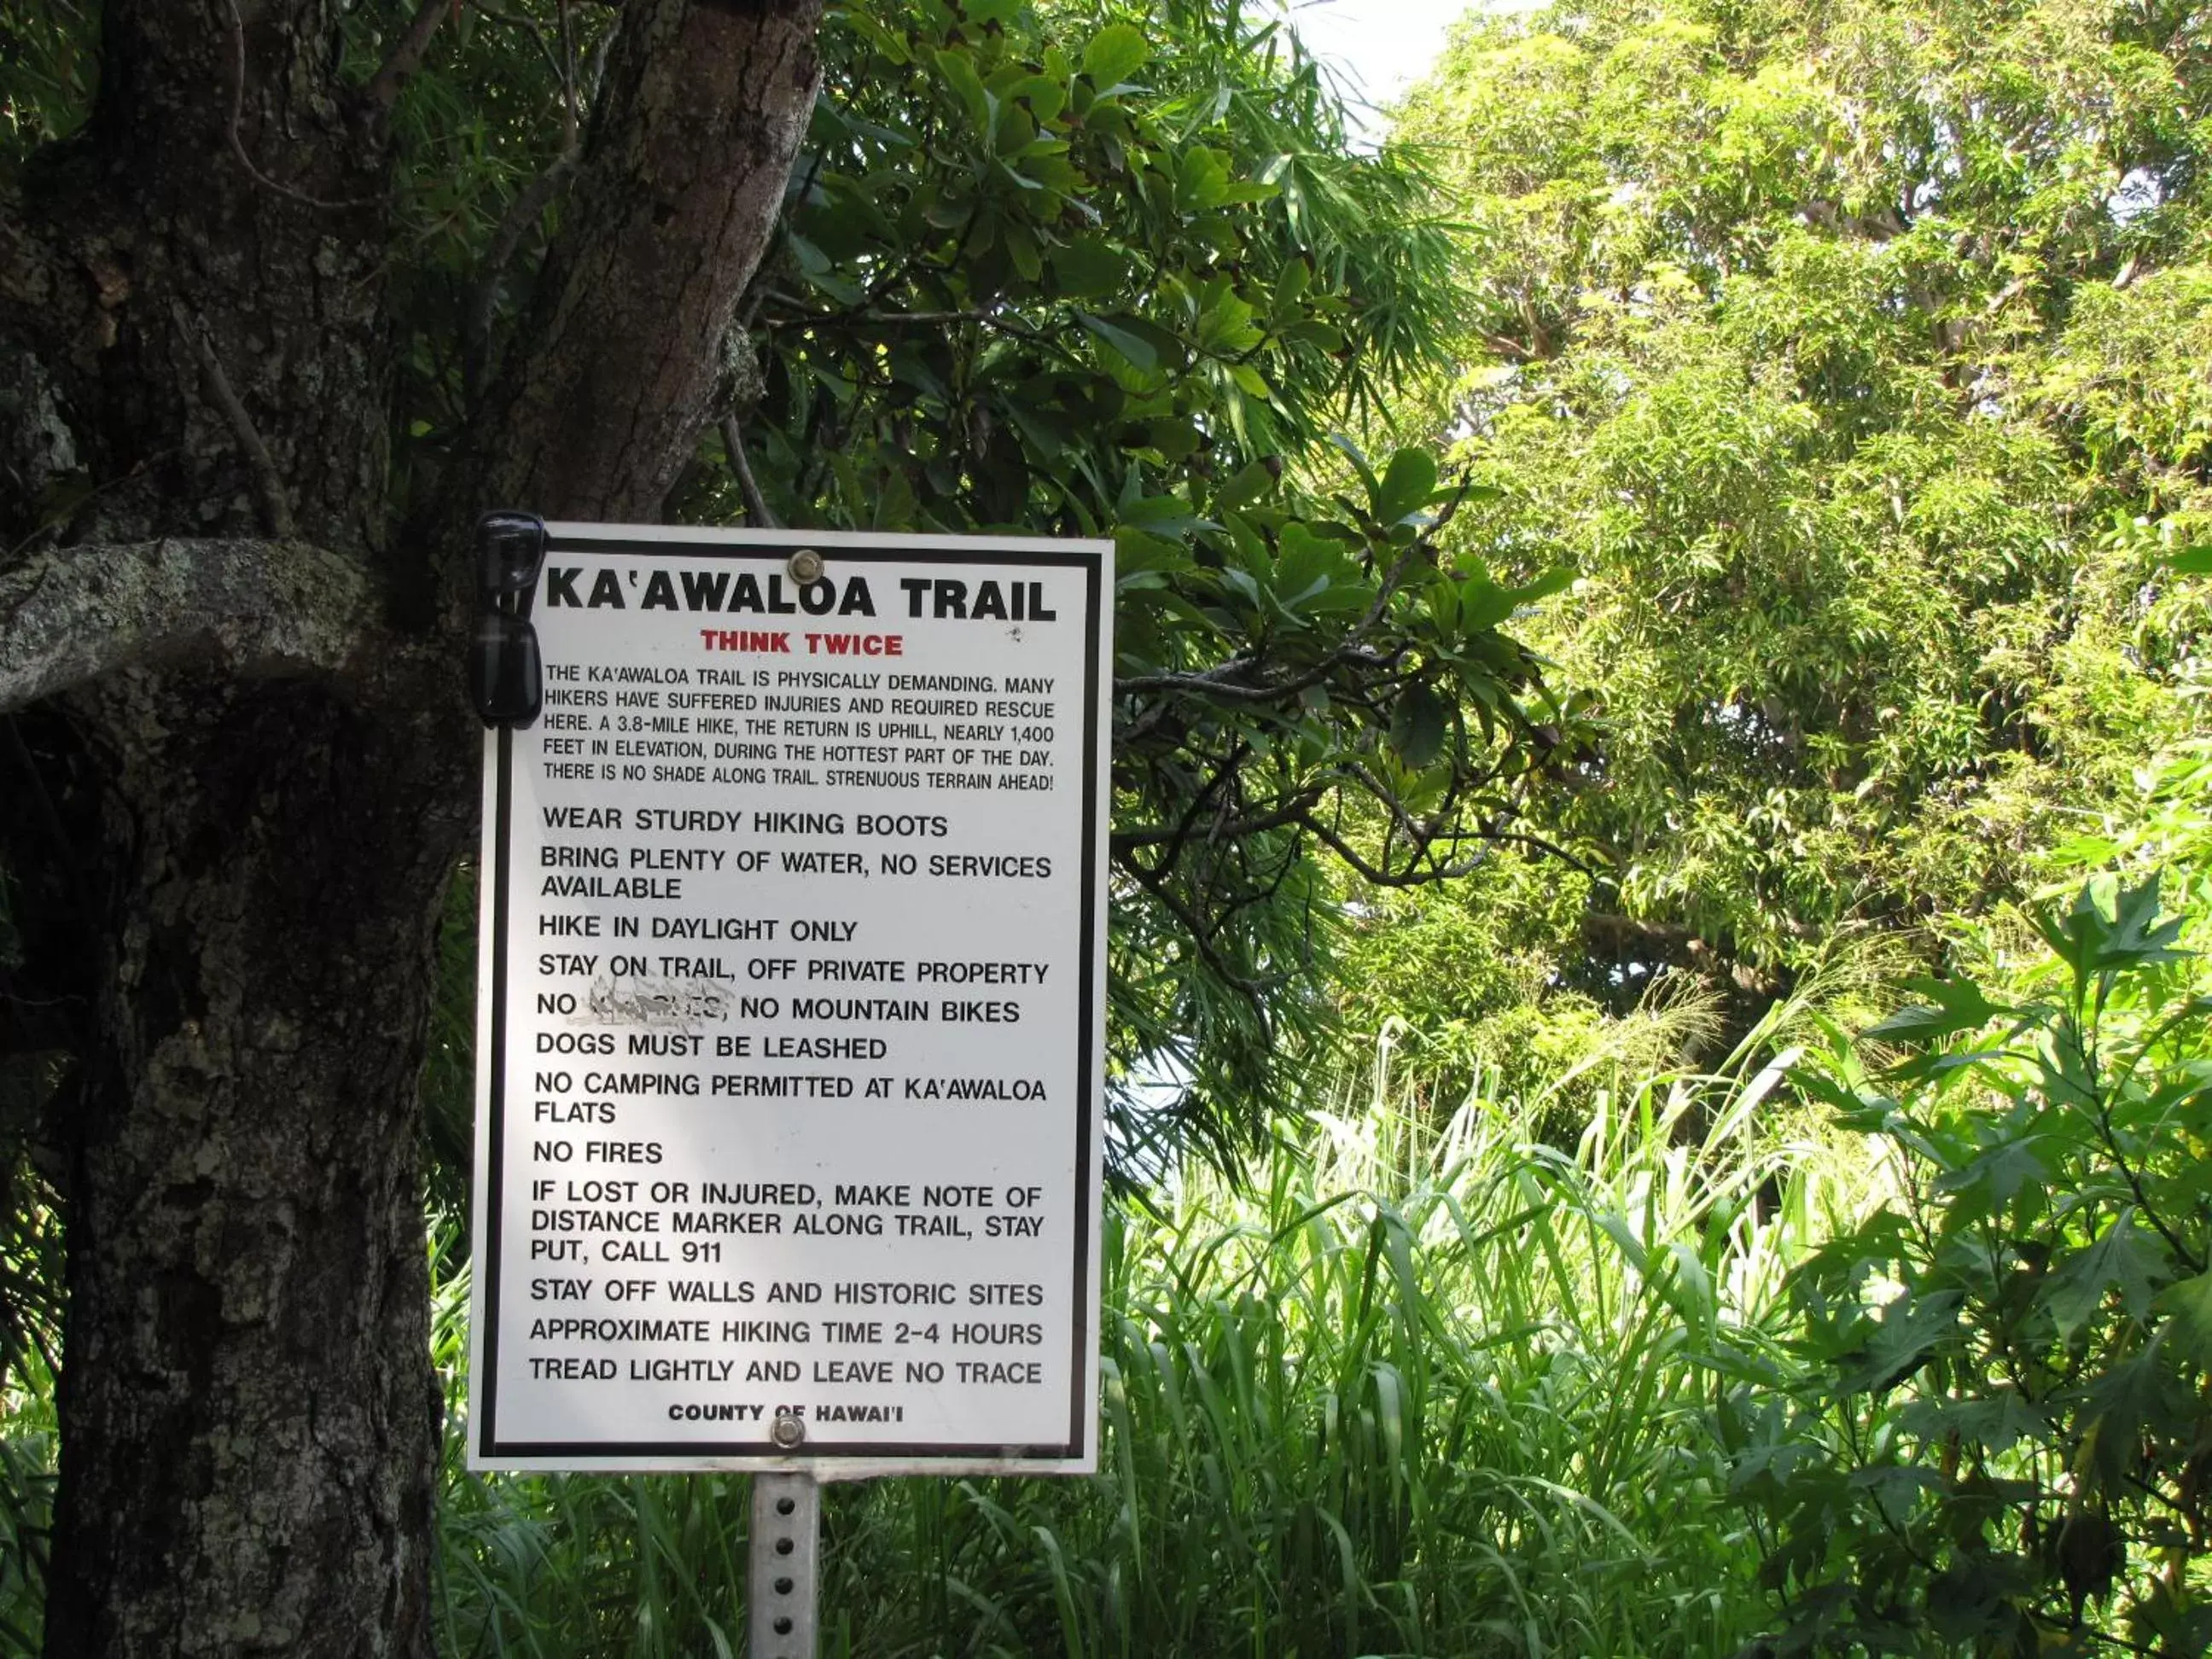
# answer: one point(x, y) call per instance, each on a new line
point(1065, 268)
point(1853, 356)
point(1998, 1436)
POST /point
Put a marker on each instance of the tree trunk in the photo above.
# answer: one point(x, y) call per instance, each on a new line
point(271, 770)
point(249, 1422)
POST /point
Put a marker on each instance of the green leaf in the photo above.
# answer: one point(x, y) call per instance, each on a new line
point(1315, 333)
point(1045, 96)
point(2141, 1392)
point(1991, 1180)
point(1971, 1599)
point(1483, 604)
point(1311, 574)
point(1022, 249)
point(2132, 937)
point(2138, 938)
point(2192, 561)
point(1953, 1005)
point(1999, 1422)
point(1557, 579)
point(1115, 53)
point(1911, 1330)
point(1407, 483)
point(1418, 725)
point(1174, 437)
point(1249, 482)
point(1225, 326)
point(959, 72)
point(2123, 1259)
point(2189, 1302)
point(1138, 550)
point(1088, 267)
point(1168, 515)
point(1201, 178)
point(1136, 350)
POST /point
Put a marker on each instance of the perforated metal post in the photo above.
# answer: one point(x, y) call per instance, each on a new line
point(783, 1566)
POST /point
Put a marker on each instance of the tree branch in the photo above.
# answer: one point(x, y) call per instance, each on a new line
point(72, 615)
point(275, 503)
point(238, 144)
point(530, 203)
point(407, 57)
point(1219, 682)
point(756, 508)
point(484, 306)
point(597, 405)
point(1197, 931)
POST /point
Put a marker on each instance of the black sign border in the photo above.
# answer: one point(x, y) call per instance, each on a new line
point(835, 548)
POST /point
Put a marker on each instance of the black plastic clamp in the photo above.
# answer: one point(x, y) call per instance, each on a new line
point(506, 677)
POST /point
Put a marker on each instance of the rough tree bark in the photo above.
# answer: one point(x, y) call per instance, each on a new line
point(244, 681)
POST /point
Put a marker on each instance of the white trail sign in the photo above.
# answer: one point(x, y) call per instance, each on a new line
point(793, 975)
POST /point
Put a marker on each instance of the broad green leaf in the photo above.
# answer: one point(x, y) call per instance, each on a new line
point(1351, 453)
point(1558, 580)
point(1905, 1339)
point(1166, 515)
point(2090, 942)
point(1311, 575)
point(1314, 332)
point(1044, 95)
point(1115, 53)
point(1999, 1422)
point(1225, 326)
point(1249, 482)
point(1953, 1006)
point(958, 68)
point(2140, 1392)
point(2124, 1258)
point(1134, 348)
point(1022, 249)
point(1417, 724)
point(2189, 1301)
point(1088, 267)
point(1137, 549)
point(1407, 483)
point(1201, 178)
point(1991, 1180)
point(1174, 437)
point(2138, 936)
point(1483, 604)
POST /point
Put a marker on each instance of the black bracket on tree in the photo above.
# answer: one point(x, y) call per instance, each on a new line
point(506, 677)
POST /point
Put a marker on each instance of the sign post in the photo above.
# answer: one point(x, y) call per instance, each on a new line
point(783, 1575)
point(791, 999)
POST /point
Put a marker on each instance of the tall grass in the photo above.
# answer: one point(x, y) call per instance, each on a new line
point(1425, 1385)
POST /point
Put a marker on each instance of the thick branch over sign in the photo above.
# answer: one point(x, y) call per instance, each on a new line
point(602, 398)
point(69, 615)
